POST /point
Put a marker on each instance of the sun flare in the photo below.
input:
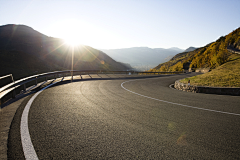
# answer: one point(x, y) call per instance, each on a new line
point(72, 31)
point(72, 41)
point(76, 32)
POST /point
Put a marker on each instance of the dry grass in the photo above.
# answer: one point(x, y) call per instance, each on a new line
point(226, 75)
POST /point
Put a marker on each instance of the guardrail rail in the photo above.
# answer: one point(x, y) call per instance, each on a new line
point(15, 87)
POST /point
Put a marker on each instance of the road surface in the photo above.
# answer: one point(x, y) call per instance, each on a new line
point(129, 119)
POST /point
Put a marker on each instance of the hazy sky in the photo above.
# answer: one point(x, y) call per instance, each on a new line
point(110, 24)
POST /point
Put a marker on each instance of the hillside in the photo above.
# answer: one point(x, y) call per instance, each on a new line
point(24, 52)
point(211, 55)
point(226, 75)
point(175, 63)
point(142, 57)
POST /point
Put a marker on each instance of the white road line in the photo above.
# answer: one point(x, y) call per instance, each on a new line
point(28, 149)
point(170, 86)
point(210, 110)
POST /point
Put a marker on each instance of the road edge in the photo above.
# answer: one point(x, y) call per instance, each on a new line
point(6, 117)
point(234, 91)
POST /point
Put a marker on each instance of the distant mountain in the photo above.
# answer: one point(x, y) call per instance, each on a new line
point(142, 58)
point(190, 49)
point(176, 49)
point(212, 55)
point(25, 51)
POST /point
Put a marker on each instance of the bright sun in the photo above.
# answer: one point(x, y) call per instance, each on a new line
point(72, 31)
point(78, 32)
point(72, 41)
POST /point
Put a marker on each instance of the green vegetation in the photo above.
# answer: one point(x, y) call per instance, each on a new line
point(224, 64)
point(212, 55)
point(226, 75)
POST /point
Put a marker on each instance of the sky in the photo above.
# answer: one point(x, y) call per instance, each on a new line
point(114, 24)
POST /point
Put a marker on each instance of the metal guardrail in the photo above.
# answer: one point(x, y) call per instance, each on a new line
point(11, 87)
point(10, 75)
point(5, 80)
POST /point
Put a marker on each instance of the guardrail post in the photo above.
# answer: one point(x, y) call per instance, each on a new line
point(89, 75)
point(24, 86)
point(14, 94)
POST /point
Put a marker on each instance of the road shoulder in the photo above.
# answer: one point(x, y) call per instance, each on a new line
point(6, 116)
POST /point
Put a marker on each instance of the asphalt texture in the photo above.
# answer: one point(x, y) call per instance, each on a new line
point(98, 119)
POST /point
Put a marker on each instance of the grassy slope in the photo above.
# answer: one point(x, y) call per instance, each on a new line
point(226, 75)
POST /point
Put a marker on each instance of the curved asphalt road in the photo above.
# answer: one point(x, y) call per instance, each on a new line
point(101, 120)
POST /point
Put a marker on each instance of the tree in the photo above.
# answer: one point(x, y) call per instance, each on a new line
point(163, 69)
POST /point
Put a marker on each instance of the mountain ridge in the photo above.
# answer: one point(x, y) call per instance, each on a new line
point(142, 57)
point(189, 49)
point(24, 52)
point(211, 55)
